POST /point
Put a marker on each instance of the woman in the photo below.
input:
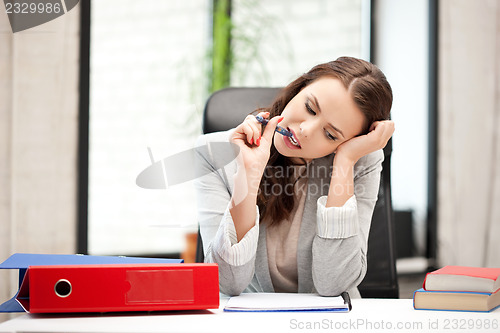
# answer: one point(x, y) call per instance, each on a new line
point(292, 214)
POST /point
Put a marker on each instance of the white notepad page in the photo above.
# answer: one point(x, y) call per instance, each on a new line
point(284, 302)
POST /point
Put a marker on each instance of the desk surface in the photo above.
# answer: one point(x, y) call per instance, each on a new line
point(367, 315)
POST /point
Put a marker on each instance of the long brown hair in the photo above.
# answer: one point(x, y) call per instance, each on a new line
point(370, 91)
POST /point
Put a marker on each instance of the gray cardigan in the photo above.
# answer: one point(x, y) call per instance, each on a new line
point(331, 253)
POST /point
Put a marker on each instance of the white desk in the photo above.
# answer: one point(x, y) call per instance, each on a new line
point(379, 315)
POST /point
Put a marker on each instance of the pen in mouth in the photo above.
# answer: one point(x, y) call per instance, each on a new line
point(278, 129)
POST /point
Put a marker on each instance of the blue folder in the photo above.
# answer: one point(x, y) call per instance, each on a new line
point(22, 261)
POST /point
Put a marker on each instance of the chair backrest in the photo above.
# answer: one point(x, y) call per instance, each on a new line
point(228, 107)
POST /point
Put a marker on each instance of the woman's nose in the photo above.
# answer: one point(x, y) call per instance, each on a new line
point(306, 128)
point(302, 133)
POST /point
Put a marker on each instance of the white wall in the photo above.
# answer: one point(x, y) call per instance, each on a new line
point(469, 137)
point(38, 140)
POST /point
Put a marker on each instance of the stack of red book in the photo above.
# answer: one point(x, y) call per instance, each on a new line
point(460, 288)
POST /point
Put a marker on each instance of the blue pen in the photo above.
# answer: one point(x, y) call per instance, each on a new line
point(278, 129)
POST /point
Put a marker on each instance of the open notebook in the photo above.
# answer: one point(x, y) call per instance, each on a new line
point(282, 302)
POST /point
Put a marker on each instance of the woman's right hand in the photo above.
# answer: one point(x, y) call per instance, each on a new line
point(251, 160)
point(254, 147)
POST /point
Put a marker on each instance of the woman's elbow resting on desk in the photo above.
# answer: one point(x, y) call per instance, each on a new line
point(230, 290)
point(326, 287)
point(233, 280)
point(331, 277)
point(231, 286)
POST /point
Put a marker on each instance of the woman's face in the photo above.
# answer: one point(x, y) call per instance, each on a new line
point(321, 117)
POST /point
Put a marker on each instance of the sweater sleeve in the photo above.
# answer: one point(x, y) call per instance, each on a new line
point(228, 248)
point(236, 260)
point(341, 242)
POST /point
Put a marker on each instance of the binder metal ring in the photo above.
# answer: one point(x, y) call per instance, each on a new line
point(63, 288)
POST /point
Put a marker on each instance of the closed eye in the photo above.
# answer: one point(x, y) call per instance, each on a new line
point(327, 134)
point(309, 109)
point(330, 136)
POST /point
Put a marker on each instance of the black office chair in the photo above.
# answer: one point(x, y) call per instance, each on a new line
point(228, 107)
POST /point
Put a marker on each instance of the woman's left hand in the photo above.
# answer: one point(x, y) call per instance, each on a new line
point(357, 147)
